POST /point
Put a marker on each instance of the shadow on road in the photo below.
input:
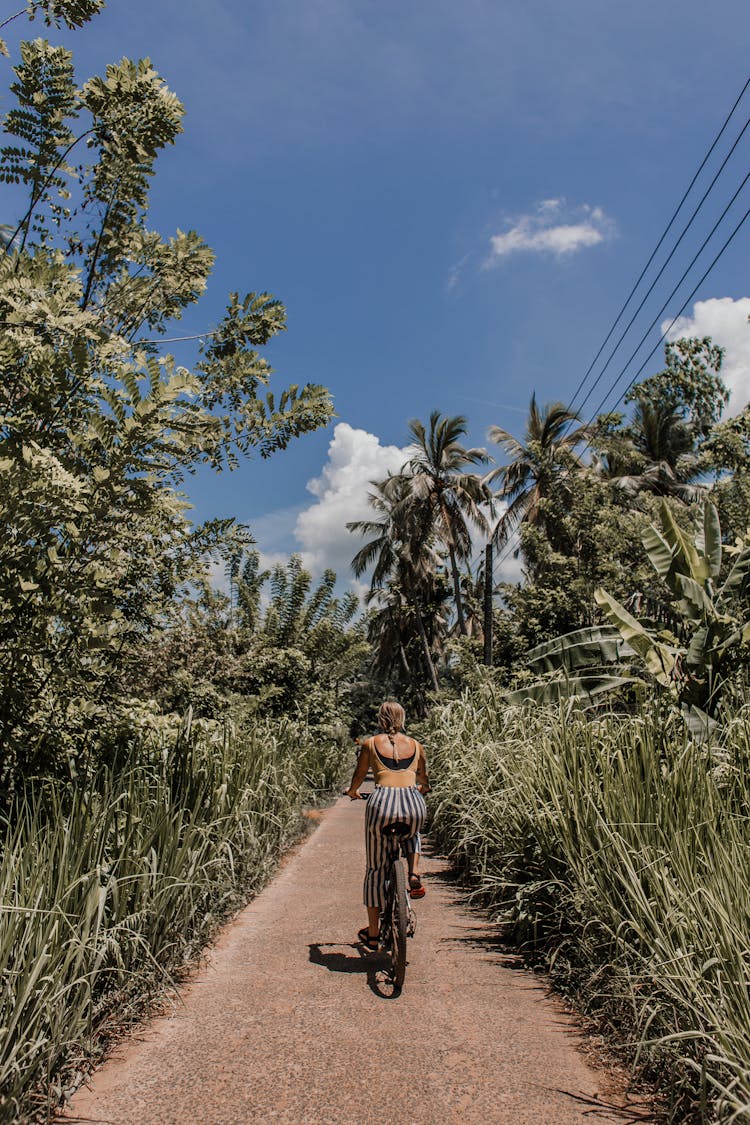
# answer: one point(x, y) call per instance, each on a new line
point(329, 954)
point(322, 953)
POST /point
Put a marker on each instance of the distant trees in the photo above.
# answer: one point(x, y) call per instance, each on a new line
point(660, 449)
point(578, 496)
point(442, 499)
point(587, 525)
point(276, 642)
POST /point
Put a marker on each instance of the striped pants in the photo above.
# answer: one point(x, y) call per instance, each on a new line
point(386, 806)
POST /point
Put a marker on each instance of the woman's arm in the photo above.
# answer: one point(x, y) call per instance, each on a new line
point(360, 772)
point(423, 781)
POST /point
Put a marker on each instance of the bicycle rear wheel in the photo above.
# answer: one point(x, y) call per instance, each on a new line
point(399, 922)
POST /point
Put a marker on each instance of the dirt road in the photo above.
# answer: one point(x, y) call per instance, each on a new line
point(287, 1025)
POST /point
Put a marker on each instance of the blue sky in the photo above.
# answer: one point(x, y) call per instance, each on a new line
point(452, 200)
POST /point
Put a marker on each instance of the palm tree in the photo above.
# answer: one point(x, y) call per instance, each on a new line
point(403, 560)
point(403, 627)
point(441, 498)
point(382, 552)
point(659, 455)
point(538, 465)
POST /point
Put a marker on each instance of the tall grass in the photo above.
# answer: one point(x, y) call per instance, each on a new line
point(619, 849)
point(106, 894)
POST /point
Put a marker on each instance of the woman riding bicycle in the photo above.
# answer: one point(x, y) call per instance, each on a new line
point(400, 770)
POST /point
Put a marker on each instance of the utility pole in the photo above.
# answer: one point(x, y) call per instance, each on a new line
point(488, 582)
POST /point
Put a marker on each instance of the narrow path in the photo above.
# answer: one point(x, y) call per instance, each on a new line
point(286, 1024)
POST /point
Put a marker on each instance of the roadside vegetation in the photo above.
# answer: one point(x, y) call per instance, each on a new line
point(168, 707)
point(612, 849)
point(161, 731)
point(589, 722)
point(111, 891)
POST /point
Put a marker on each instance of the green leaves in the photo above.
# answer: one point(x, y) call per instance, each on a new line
point(700, 670)
point(98, 425)
point(579, 649)
point(47, 106)
point(659, 659)
point(73, 13)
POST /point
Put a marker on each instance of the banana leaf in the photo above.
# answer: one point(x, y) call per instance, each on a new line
point(695, 566)
point(712, 539)
point(694, 601)
point(580, 649)
point(738, 574)
point(584, 688)
point(659, 659)
point(659, 552)
point(700, 725)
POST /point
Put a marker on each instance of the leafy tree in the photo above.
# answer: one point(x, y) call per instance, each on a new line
point(72, 13)
point(592, 538)
point(298, 652)
point(727, 446)
point(689, 384)
point(675, 413)
point(98, 424)
point(407, 639)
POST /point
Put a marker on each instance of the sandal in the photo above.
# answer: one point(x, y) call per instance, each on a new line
point(416, 890)
point(371, 942)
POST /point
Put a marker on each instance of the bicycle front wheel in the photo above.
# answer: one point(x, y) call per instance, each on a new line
point(400, 922)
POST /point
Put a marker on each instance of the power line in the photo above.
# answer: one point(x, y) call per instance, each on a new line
point(510, 545)
point(654, 252)
point(668, 260)
point(674, 319)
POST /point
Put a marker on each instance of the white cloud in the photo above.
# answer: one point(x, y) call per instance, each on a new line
point(509, 568)
point(455, 273)
point(552, 228)
point(340, 496)
point(355, 457)
point(726, 322)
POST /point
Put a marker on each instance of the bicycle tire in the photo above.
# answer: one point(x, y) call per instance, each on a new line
point(399, 922)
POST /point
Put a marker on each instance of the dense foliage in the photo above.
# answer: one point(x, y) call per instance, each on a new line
point(275, 643)
point(110, 893)
point(577, 504)
point(128, 834)
point(98, 423)
point(614, 850)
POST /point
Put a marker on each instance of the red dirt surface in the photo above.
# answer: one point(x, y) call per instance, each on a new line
point(291, 1022)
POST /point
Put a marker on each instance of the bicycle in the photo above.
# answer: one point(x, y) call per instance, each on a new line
point(397, 920)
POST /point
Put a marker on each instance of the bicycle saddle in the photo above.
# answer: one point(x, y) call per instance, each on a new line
point(398, 828)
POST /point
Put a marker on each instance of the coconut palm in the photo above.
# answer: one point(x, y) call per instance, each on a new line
point(403, 559)
point(660, 456)
point(537, 466)
point(405, 630)
point(441, 498)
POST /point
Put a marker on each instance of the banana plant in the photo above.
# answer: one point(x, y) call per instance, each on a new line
point(695, 671)
point(584, 665)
